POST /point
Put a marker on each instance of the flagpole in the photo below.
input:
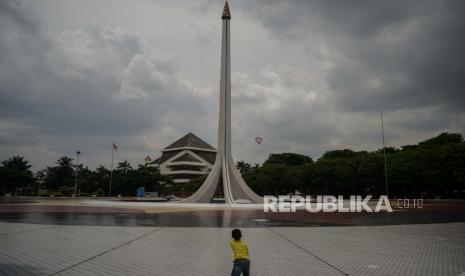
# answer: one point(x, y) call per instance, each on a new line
point(111, 168)
point(384, 153)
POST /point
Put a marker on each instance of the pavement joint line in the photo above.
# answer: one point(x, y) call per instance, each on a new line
point(107, 251)
point(309, 252)
point(28, 230)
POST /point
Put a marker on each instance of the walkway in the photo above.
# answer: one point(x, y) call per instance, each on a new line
point(429, 249)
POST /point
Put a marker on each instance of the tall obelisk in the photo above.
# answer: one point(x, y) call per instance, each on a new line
point(224, 170)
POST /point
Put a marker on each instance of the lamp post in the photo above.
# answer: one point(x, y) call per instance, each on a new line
point(76, 173)
point(113, 149)
point(384, 154)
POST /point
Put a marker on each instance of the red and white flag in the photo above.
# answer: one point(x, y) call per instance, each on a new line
point(115, 147)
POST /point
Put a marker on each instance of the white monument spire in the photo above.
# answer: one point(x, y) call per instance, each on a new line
point(224, 170)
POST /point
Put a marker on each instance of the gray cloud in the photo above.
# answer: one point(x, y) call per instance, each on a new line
point(24, 20)
point(85, 87)
point(384, 55)
point(308, 76)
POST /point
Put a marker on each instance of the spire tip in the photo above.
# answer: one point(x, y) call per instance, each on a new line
point(226, 12)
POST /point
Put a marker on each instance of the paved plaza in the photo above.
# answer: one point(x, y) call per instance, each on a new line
point(421, 249)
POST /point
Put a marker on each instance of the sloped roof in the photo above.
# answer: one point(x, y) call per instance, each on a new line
point(208, 156)
point(166, 155)
point(186, 158)
point(190, 140)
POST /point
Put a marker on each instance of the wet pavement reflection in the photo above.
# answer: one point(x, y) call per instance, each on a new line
point(184, 219)
point(63, 212)
point(231, 218)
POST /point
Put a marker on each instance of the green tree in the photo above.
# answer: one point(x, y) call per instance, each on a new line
point(16, 176)
point(288, 159)
point(88, 181)
point(102, 176)
point(124, 166)
point(345, 153)
point(442, 139)
point(123, 181)
point(62, 175)
point(149, 176)
point(243, 167)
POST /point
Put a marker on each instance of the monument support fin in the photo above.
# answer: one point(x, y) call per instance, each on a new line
point(234, 187)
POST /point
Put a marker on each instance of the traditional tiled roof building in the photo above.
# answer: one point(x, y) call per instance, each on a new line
point(187, 158)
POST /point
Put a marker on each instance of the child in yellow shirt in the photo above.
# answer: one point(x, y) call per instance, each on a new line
point(241, 255)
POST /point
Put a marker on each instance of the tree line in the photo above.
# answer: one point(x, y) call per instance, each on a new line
point(432, 168)
point(67, 178)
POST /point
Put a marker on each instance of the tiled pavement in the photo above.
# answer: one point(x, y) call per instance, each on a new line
point(430, 249)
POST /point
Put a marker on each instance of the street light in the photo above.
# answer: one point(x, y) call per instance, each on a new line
point(76, 173)
point(384, 154)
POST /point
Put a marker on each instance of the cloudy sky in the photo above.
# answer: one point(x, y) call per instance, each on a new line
point(308, 76)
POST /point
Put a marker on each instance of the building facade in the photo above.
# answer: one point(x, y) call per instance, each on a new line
point(187, 158)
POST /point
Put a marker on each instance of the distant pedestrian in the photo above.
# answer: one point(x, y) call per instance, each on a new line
point(241, 255)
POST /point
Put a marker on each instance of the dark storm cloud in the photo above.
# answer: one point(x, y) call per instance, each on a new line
point(80, 82)
point(37, 91)
point(62, 89)
point(307, 76)
point(12, 10)
point(395, 54)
